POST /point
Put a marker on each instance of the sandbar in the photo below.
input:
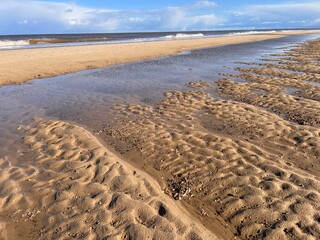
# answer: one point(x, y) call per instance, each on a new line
point(18, 66)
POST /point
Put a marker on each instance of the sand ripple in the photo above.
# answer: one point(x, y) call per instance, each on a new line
point(248, 164)
point(77, 189)
point(244, 164)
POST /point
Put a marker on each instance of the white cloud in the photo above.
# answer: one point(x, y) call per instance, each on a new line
point(293, 12)
point(317, 21)
point(284, 10)
point(274, 22)
point(71, 17)
point(203, 4)
point(135, 19)
point(183, 17)
point(39, 16)
point(189, 18)
point(297, 22)
point(23, 21)
point(55, 16)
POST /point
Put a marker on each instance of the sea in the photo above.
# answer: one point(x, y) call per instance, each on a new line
point(60, 40)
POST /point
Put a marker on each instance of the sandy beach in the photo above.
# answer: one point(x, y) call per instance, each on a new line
point(26, 64)
point(237, 158)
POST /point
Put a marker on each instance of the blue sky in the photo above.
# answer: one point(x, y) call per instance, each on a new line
point(78, 16)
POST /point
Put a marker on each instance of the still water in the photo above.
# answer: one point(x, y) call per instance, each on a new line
point(85, 97)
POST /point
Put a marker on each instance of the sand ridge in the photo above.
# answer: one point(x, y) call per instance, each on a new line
point(76, 189)
point(297, 109)
point(295, 70)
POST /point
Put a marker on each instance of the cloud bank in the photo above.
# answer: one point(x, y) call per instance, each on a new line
point(36, 16)
point(298, 14)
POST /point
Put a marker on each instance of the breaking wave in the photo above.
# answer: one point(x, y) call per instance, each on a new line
point(4, 44)
point(184, 35)
point(251, 32)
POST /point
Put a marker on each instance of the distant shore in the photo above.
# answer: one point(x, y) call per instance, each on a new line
point(18, 66)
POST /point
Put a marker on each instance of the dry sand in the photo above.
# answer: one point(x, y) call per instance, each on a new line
point(17, 66)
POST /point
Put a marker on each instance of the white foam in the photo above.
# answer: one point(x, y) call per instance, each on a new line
point(252, 32)
point(12, 44)
point(16, 44)
point(184, 35)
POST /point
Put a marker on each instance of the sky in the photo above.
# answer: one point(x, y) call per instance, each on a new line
point(103, 16)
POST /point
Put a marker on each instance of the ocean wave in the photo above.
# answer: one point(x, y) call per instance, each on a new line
point(183, 35)
point(252, 32)
point(47, 42)
point(67, 40)
point(11, 43)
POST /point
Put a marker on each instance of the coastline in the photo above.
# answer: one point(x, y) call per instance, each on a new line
point(18, 66)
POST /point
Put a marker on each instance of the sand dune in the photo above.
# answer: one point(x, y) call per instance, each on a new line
point(76, 189)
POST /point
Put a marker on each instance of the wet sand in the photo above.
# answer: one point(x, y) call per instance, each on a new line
point(226, 160)
point(26, 64)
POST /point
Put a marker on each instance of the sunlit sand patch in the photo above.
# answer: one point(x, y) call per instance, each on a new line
point(199, 84)
point(300, 110)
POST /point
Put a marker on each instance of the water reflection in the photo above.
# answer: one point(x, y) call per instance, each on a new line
point(85, 97)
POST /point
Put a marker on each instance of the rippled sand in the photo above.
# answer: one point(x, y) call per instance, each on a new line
point(77, 189)
point(248, 164)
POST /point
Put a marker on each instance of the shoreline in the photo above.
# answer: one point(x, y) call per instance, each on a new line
point(19, 66)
